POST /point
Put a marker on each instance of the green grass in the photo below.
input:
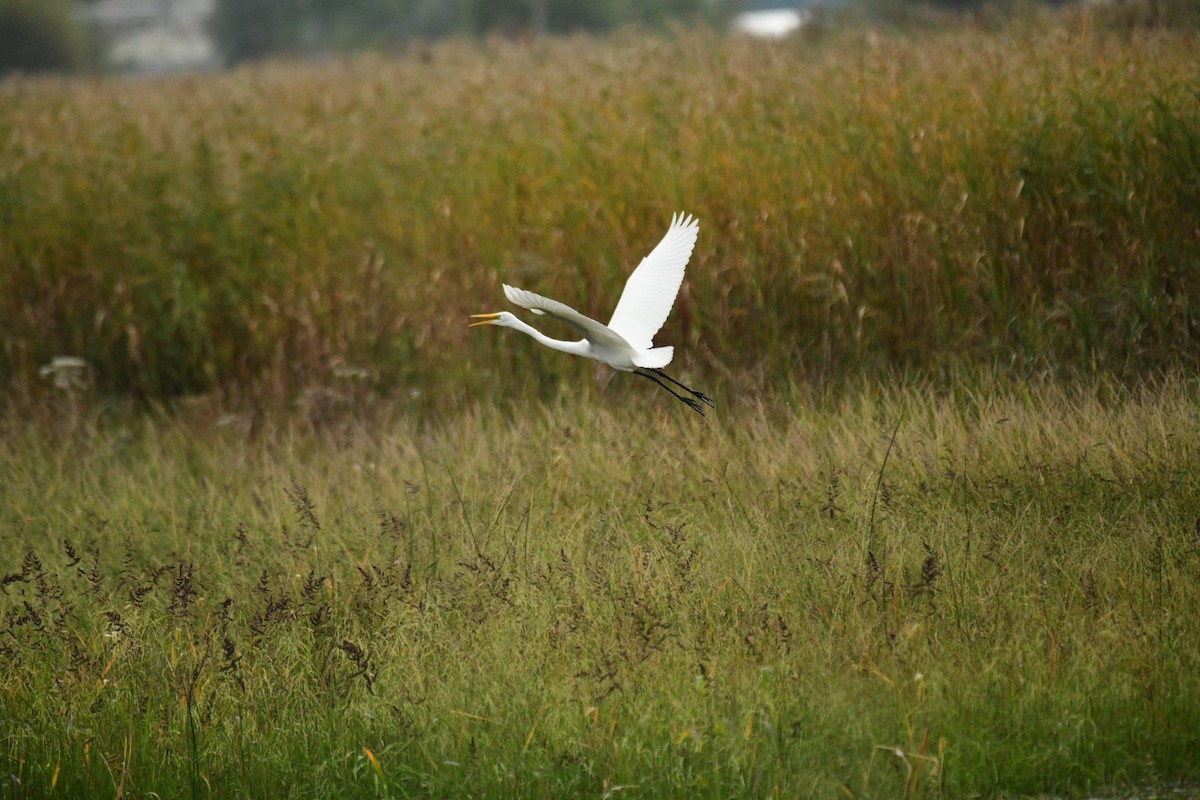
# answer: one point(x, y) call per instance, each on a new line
point(1021, 202)
point(615, 599)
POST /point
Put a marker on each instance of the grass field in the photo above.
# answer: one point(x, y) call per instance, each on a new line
point(297, 532)
point(901, 592)
point(1019, 202)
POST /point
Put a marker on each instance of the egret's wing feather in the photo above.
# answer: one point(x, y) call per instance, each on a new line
point(651, 289)
point(588, 328)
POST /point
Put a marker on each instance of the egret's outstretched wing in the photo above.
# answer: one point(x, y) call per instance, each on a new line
point(595, 332)
point(650, 291)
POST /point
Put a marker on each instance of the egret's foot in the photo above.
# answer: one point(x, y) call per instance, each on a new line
point(699, 395)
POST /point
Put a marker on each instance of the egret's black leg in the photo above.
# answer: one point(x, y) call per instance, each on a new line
point(692, 404)
point(699, 395)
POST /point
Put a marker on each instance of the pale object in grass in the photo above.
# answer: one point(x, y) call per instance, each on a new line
point(626, 342)
point(68, 373)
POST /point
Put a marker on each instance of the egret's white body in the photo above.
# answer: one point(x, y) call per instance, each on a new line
point(626, 342)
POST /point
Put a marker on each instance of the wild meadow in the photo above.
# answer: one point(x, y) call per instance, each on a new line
point(290, 529)
point(895, 593)
point(1017, 201)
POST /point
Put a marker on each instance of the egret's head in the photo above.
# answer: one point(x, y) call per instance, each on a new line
point(503, 319)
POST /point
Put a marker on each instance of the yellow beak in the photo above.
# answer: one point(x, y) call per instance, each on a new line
point(484, 319)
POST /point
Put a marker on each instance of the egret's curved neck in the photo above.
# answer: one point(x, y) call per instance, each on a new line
point(579, 348)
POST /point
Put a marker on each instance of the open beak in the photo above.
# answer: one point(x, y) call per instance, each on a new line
point(484, 319)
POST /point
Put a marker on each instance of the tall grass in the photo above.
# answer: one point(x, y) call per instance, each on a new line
point(897, 593)
point(1021, 202)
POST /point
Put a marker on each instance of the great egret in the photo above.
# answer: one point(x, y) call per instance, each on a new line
point(625, 343)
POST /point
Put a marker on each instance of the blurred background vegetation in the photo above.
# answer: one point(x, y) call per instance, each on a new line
point(64, 35)
point(40, 36)
point(255, 28)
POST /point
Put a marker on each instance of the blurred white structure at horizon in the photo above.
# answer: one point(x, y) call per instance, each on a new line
point(154, 36)
point(774, 23)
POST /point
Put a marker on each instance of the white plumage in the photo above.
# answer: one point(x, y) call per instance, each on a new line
point(626, 343)
point(651, 290)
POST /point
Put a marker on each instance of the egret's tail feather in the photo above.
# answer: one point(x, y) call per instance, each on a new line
point(655, 358)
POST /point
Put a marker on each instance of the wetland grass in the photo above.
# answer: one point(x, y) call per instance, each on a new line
point(558, 602)
point(1011, 200)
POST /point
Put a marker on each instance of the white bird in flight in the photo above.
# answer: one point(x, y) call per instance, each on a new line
point(625, 343)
